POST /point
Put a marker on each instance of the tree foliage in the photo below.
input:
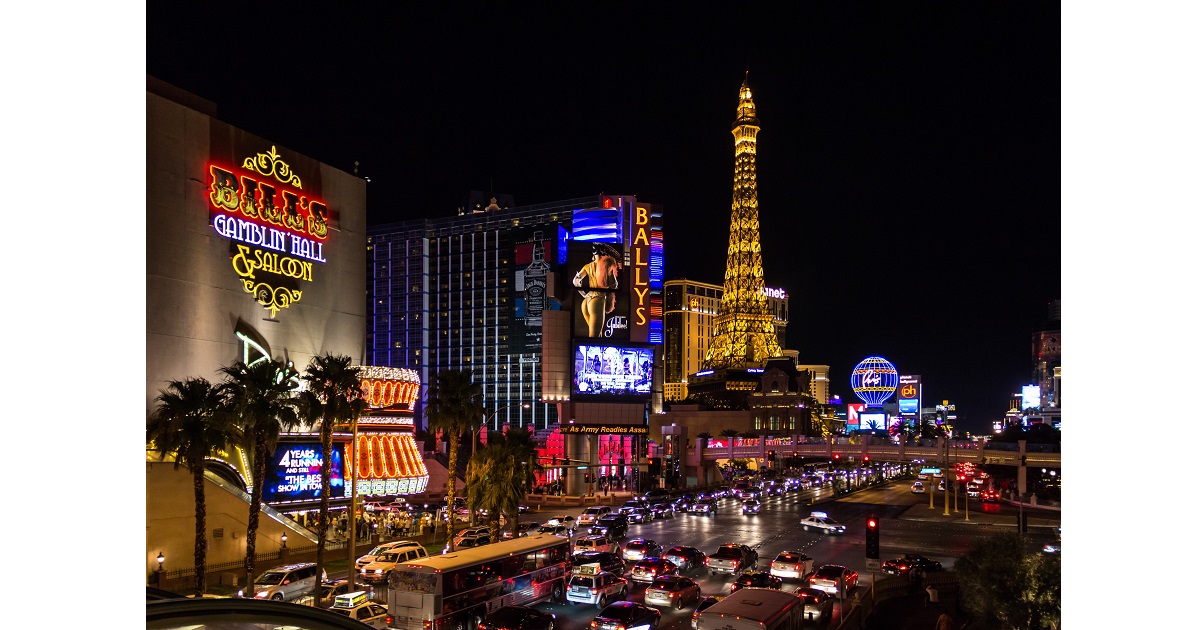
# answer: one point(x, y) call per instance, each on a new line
point(454, 404)
point(1005, 587)
point(191, 423)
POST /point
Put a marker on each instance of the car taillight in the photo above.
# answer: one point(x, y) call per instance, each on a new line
point(481, 626)
point(388, 620)
point(595, 625)
point(595, 590)
point(706, 562)
point(735, 564)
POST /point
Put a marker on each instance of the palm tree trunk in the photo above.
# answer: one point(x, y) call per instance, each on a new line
point(323, 523)
point(450, 485)
point(260, 471)
point(201, 527)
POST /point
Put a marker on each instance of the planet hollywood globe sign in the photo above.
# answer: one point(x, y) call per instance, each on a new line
point(874, 380)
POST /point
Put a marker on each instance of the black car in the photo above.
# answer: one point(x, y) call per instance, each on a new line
point(756, 579)
point(910, 561)
point(688, 559)
point(611, 525)
point(626, 614)
point(663, 510)
point(641, 548)
point(517, 618)
point(608, 560)
point(655, 495)
point(683, 503)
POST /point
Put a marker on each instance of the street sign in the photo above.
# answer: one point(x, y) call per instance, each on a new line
point(874, 564)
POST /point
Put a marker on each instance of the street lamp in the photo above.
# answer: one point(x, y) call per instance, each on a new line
point(283, 539)
point(158, 571)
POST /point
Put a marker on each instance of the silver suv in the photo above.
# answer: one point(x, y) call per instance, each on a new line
point(287, 582)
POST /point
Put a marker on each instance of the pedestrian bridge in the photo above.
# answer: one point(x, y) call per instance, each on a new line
point(859, 449)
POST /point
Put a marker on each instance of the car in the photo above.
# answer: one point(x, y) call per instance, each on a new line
point(688, 559)
point(556, 530)
point(663, 510)
point(918, 487)
point(595, 543)
point(702, 605)
point(631, 504)
point(973, 491)
point(733, 559)
point(683, 503)
point(821, 521)
point(942, 486)
point(922, 476)
point(655, 495)
point(991, 496)
point(907, 562)
point(566, 521)
point(775, 490)
point(607, 560)
point(639, 548)
point(377, 572)
point(639, 515)
point(672, 591)
point(750, 493)
point(646, 569)
point(597, 588)
point(756, 579)
point(472, 532)
point(356, 606)
point(523, 529)
point(470, 542)
point(611, 525)
point(792, 565)
point(522, 509)
point(1051, 548)
point(751, 506)
point(828, 576)
point(818, 605)
point(626, 615)
point(517, 618)
point(707, 507)
point(330, 590)
point(592, 514)
point(287, 582)
point(370, 556)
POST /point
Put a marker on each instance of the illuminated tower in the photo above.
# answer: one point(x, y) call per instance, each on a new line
point(745, 330)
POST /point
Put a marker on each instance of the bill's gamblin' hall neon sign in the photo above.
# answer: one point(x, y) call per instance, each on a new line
point(277, 234)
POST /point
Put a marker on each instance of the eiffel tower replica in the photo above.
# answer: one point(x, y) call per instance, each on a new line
point(744, 335)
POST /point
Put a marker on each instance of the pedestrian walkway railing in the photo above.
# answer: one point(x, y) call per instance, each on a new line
point(287, 522)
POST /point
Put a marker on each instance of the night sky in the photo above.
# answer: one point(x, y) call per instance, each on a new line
point(908, 163)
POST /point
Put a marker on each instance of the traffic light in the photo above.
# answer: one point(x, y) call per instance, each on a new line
point(837, 457)
point(872, 538)
point(866, 459)
point(770, 456)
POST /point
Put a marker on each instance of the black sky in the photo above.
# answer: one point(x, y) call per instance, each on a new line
point(908, 163)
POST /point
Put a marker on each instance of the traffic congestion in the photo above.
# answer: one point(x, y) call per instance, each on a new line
point(666, 560)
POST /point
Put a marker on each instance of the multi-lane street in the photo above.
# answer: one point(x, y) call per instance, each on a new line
point(907, 526)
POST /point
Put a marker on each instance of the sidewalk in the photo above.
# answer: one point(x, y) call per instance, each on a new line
point(1034, 516)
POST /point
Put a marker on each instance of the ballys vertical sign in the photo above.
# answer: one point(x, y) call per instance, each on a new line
point(277, 234)
point(640, 259)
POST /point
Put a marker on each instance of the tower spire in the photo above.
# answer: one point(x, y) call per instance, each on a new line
point(744, 333)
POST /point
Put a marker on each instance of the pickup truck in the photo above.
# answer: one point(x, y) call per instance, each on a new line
point(733, 559)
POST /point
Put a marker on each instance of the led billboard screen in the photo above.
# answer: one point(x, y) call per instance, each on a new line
point(294, 473)
point(619, 373)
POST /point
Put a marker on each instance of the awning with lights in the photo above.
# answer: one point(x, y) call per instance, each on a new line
point(388, 463)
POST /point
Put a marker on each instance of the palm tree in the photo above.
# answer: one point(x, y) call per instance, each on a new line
point(261, 398)
point(729, 433)
point(190, 423)
point(333, 394)
point(520, 444)
point(454, 404)
point(494, 484)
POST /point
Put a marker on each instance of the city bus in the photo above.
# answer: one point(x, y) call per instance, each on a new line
point(456, 591)
point(753, 609)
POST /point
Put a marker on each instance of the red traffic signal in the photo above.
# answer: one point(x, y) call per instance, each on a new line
point(866, 458)
point(837, 455)
point(872, 523)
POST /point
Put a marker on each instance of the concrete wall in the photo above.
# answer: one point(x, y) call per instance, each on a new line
point(194, 299)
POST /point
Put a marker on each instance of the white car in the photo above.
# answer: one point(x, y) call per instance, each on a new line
point(596, 543)
point(564, 520)
point(556, 530)
point(918, 487)
point(820, 521)
point(356, 606)
point(598, 588)
point(593, 514)
point(792, 565)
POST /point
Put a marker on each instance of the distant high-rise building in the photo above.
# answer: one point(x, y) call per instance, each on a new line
point(1047, 362)
point(745, 332)
point(472, 292)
